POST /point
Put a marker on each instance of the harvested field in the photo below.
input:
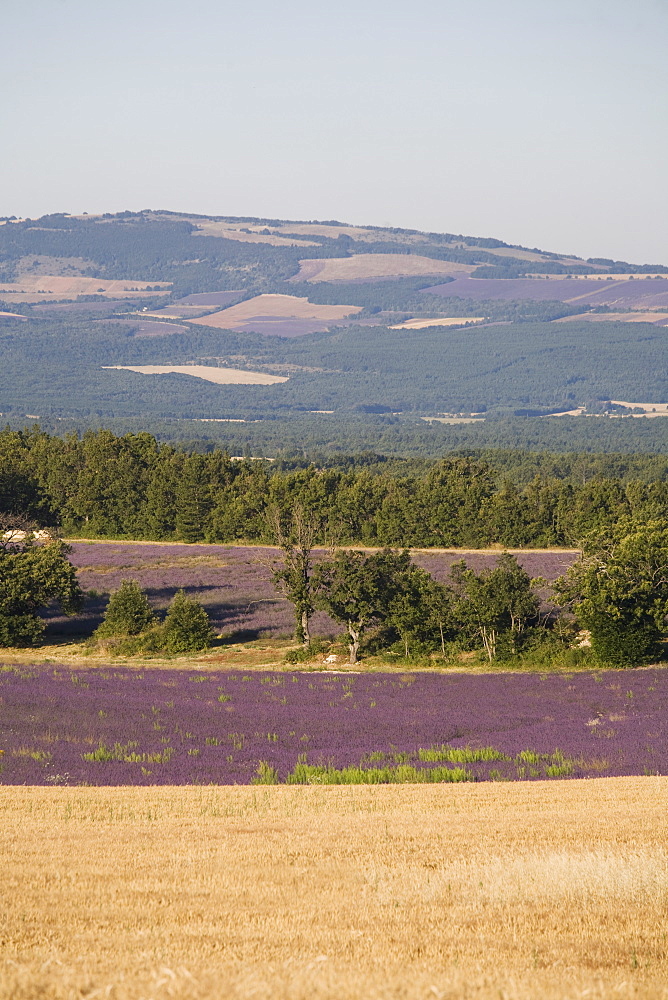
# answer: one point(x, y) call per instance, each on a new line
point(40, 288)
point(253, 234)
point(533, 255)
point(151, 724)
point(194, 305)
point(550, 890)
point(234, 581)
point(453, 420)
point(221, 376)
point(649, 408)
point(422, 324)
point(266, 311)
point(10, 315)
point(372, 266)
point(358, 233)
point(657, 318)
point(628, 293)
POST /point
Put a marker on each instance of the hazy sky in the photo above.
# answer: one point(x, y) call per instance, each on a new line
point(540, 122)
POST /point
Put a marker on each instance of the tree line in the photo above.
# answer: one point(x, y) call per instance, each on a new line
point(616, 592)
point(101, 485)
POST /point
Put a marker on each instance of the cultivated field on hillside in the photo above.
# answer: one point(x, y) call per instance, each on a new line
point(221, 376)
point(216, 724)
point(371, 266)
point(459, 892)
point(646, 316)
point(422, 324)
point(234, 581)
point(194, 305)
point(42, 288)
point(269, 310)
point(633, 293)
point(247, 234)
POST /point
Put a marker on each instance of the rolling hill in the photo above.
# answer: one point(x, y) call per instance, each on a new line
point(330, 321)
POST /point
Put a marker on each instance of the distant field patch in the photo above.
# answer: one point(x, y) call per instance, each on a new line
point(246, 234)
point(608, 276)
point(194, 305)
point(8, 315)
point(535, 255)
point(629, 293)
point(282, 315)
point(361, 234)
point(647, 316)
point(40, 288)
point(147, 328)
point(421, 324)
point(107, 306)
point(370, 266)
point(221, 376)
point(656, 409)
point(454, 420)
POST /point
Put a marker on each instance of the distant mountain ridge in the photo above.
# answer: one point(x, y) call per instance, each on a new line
point(391, 323)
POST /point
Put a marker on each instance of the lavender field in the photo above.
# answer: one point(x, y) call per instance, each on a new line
point(109, 726)
point(232, 582)
point(635, 293)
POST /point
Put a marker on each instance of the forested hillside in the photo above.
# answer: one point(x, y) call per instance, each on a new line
point(81, 296)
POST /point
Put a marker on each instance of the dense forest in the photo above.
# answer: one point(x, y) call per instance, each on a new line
point(54, 366)
point(101, 485)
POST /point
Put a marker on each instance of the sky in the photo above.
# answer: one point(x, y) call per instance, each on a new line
point(539, 122)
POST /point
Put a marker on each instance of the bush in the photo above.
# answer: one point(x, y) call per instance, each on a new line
point(187, 627)
point(306, 653)
point(128, 612)
point(623, 643)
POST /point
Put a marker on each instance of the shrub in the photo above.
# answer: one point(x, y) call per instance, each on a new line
point(127, 613)
point(305, 653)
point(187, 627)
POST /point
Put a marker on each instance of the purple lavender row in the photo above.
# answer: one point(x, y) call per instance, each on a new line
point(123, 726)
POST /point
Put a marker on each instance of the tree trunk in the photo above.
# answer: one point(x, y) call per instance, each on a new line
point(489, 640)
point(305, 633)
point(354, 643)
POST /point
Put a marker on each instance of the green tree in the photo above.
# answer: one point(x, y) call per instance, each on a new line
point(494, 603)
point(31, 576)
point(357, 589)
point(618, 590)
point(187, 626)
point(127, 613)
point(294, 577)
point(420, 609)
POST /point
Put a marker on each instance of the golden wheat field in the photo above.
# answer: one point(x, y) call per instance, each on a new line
point(505, 891)
point(49, 287)
point(221, 376)
point(269, 306)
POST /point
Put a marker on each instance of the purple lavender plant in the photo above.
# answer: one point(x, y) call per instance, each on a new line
point(127, 726)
